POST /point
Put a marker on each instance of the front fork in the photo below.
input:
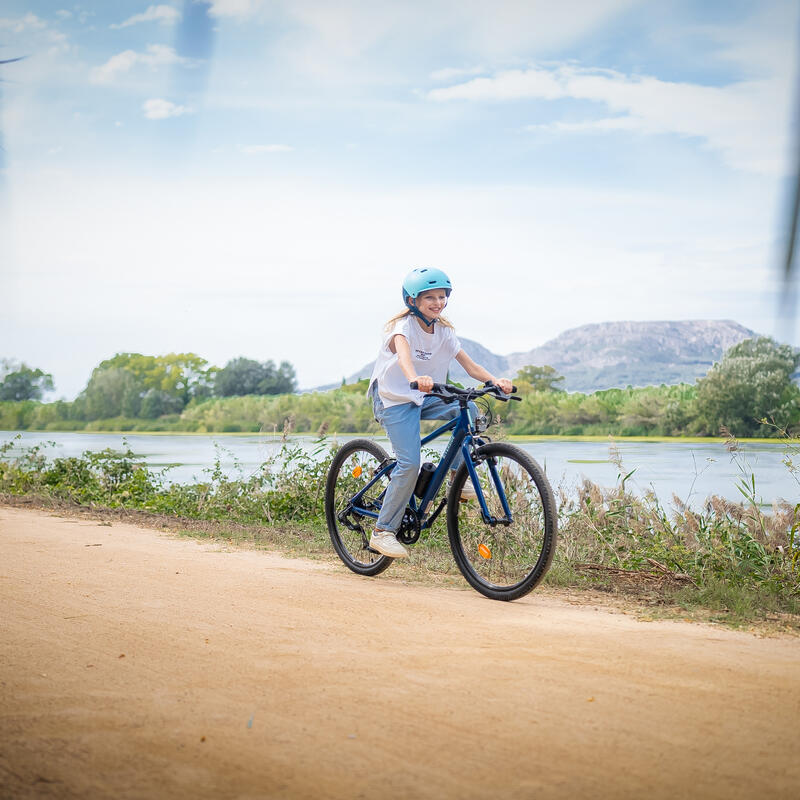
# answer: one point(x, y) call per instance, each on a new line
point(470, 458)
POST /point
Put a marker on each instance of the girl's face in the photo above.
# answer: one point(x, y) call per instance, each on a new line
point(432, 302)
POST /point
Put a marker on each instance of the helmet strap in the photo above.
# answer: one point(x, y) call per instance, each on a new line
point(429, 323)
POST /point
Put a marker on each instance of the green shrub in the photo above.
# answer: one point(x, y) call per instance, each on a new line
point(728, 550)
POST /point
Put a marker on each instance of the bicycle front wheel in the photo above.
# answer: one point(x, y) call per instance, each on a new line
point(503, 561)
point(354, 469)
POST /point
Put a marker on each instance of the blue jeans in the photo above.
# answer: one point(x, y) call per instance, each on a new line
point(401, 423)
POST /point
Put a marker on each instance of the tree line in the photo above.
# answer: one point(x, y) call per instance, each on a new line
point(751, 391)
point(148, 387)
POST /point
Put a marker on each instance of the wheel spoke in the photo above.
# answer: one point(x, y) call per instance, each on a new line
point(353, 470)
point(505, 560)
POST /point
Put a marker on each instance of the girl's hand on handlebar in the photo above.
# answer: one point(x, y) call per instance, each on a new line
point(424, 383)
point(505, 384)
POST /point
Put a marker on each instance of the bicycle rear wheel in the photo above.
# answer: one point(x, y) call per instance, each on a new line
point(503, 562)
point(353, 468)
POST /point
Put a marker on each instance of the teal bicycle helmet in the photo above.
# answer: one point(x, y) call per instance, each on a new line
point(421, 280)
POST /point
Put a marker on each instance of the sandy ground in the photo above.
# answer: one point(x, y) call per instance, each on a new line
point(138, 665)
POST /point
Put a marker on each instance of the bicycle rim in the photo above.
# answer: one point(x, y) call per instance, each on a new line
point(503, 562)
point(354, 467)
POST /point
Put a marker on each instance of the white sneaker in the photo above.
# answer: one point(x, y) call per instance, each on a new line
point(468, 491)
point(385, 542)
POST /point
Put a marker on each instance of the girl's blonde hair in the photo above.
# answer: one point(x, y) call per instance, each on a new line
point(407, 313)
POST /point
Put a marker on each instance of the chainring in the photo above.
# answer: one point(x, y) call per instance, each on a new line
point(410, 528)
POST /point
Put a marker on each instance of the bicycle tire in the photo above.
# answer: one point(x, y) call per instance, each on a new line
point(363, 457)
point(504, 562)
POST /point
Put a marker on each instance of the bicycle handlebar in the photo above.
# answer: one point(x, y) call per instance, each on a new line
point(449, 392)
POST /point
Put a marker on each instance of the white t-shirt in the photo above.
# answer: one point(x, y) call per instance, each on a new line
point(431, 354)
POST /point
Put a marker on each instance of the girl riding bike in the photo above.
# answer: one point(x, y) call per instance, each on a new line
point(418, 345)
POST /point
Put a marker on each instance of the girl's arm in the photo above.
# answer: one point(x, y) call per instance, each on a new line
point(478, 372)
point(399, 344)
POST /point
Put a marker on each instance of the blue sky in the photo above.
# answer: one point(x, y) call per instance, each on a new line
point(255, 178)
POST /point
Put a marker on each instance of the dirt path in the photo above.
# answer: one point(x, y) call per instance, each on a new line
point(136, 665)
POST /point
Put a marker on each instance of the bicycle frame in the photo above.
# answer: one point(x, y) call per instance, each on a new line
point(462, 439)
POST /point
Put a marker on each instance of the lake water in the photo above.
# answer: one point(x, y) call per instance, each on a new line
point(691, 471)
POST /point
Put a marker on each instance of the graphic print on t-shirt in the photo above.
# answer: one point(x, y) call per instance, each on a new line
point(431, 352)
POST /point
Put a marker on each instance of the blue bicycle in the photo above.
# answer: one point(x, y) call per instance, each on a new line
point(503, 542)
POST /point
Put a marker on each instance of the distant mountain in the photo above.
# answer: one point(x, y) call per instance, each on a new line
point(609, 354)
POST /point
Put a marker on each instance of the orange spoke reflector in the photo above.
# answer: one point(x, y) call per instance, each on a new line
point(484, 551)
point(357, 472)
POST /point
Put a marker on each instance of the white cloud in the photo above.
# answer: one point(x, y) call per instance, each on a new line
point(156, 55)
point(21, 24)
point(258, 149)
point(35, 37)
point(745, 121)
point(357, 44)
point(235, 8)
point(166, 15)
point(156, 108)
point(512, 84)
point(452, 73)
point(604, 124)
point(502, 28)
point(762, 44)
point(62, 13)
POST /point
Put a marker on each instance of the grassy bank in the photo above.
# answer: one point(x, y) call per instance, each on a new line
point(732, 559)
point(659, 411)
point(379, 433)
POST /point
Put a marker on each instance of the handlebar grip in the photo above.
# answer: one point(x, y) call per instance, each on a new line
point(491, 383)
point(437, 387)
